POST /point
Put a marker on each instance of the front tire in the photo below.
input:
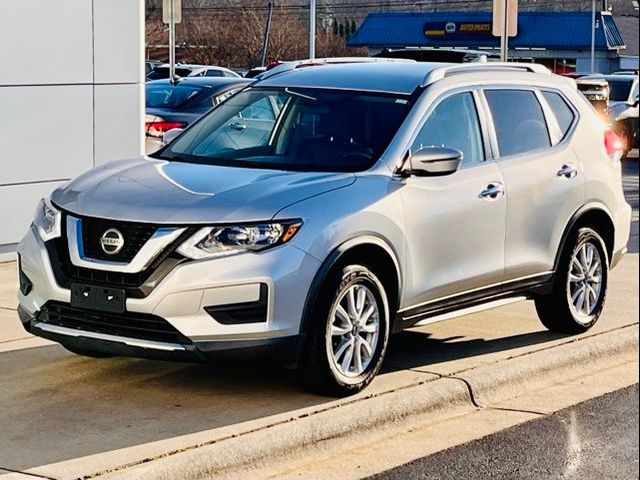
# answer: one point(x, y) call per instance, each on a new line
point(580, 286)
point(348, 333)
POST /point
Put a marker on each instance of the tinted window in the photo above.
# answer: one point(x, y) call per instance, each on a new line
point(620, 89)
point(563, 113)
point(168, 96)
point(260, 110)
point(454, 123)
point(519, 121)
point(214, 73)
point(294, 129)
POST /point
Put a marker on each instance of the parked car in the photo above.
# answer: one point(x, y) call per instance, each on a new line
point(448, 55)
point(170, 106)
point(254, 72)
point(623, 107)
point(324, 208)
point(596, 90)
point(186, 70)
point(150, 65)
point(576, 75)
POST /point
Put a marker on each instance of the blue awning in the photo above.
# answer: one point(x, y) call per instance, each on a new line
point(550, 30)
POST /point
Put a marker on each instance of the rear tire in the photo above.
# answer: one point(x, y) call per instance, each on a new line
point(580, 286)
point(348, 333)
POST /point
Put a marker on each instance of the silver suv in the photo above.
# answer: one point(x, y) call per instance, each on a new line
point(323, 208)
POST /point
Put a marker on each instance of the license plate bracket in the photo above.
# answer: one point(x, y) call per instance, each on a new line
point(103, 299)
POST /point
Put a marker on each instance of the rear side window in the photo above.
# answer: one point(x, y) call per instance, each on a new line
point(563, 113)
point(214, 73)
point(519, 121)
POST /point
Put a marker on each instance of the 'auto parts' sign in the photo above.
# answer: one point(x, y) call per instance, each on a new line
point(452, 30)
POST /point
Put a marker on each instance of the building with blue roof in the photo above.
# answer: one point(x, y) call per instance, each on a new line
point(561, 40)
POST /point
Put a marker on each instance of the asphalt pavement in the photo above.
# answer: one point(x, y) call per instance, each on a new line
point(595, 440)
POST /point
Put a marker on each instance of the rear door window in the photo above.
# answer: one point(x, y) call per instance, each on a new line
point(519, 121)
point(563, 113)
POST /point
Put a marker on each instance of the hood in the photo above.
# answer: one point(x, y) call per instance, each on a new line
point(157, 191)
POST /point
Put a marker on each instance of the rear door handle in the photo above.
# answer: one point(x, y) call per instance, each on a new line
point(567, 171)
point(493, 191)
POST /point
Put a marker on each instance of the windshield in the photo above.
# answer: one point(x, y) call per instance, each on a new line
point(169, 96)
point(294, 129)
point(620, 90)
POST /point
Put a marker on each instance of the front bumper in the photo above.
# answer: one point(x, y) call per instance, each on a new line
point(188, 299)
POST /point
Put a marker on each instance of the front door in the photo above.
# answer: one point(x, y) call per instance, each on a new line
point(455, 224)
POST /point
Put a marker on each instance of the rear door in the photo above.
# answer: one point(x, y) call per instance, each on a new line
point(543, 179)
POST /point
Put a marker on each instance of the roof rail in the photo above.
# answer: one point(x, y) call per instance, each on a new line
point(292, 65)
point(442, 72)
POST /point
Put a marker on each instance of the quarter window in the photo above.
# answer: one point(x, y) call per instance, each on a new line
point(519, 121)
point(454, 123)
point(563, 113)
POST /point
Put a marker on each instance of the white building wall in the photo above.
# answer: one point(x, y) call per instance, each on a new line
point(71, 97)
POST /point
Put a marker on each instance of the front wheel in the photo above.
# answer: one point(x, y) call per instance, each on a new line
point(348, 333)
point(580, 286)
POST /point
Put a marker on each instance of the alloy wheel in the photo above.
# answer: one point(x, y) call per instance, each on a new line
point(584, 285)
point(353, 330)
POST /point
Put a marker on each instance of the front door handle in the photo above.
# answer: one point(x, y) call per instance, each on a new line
point(567, 171)
point(493, 191)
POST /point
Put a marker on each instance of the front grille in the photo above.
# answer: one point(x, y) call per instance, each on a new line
point(136, 285)
point(128, 324)
point(135, 236)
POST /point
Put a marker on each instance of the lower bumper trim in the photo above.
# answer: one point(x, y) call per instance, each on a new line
point(132, 342)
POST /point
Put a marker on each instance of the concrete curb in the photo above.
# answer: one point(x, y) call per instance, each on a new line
point(476, 386)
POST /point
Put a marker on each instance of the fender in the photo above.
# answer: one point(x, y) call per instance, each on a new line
point(595, 206)
point(332, 259)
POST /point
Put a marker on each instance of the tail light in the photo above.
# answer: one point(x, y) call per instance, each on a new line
point(159, 127)
point(612, 143)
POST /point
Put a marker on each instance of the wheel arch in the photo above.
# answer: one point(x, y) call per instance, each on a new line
point(595, 216)
point(371, 251)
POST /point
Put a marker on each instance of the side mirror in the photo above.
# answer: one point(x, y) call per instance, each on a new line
point(435, 161)
point(171, 135)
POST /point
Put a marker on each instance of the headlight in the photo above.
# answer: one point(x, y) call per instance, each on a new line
point(47, 220)
point(211, 242)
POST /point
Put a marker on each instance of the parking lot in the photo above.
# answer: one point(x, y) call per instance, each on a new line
point(55, 406)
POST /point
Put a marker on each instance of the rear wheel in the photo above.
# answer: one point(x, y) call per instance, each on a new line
point(348, 333)
point(580, 286)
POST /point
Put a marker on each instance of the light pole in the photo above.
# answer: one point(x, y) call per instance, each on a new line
point(312, 29)
point(504, 40)
point(593, 36)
